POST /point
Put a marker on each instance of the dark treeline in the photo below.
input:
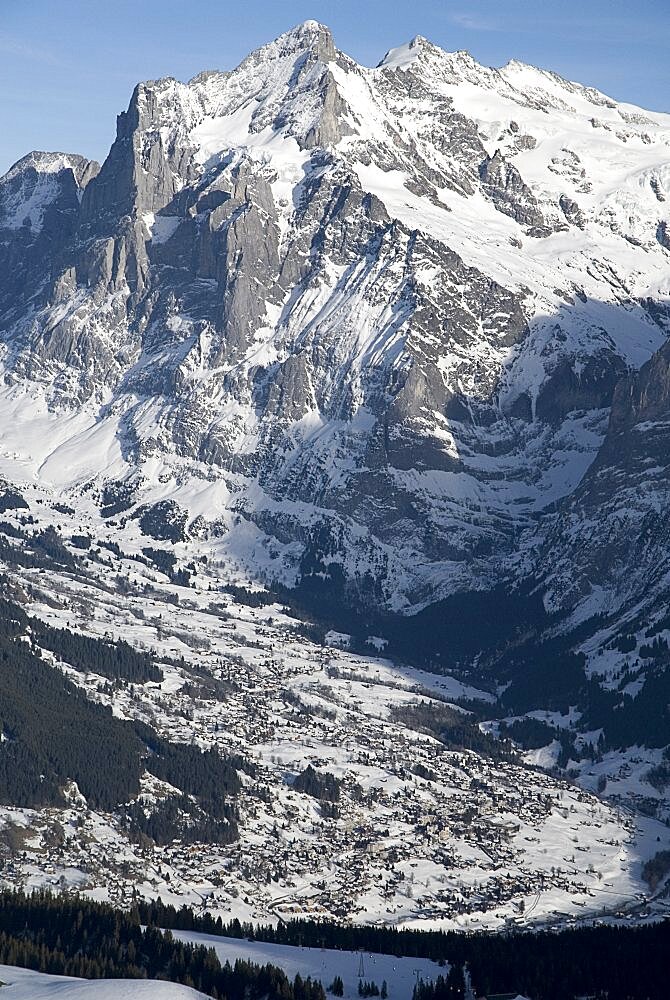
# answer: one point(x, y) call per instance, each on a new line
point(178, 817)
point(449, 987)
point(116, 498)
point(162, 559)
point(10, 498)
point(164, 521)
point(76, 937)
point(115, 660)
point(319, 784)
point(655, 869)
point(202, 773)
point(41, 551)
point(529, 733)
point(630, 963)
point(205, 813)
point(49, 543)
point(625, 720)
point(53, 734)
point(252, 598)
point(453, 728)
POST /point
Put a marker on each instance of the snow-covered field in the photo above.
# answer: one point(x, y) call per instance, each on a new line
point(400, 974)
point(24, 984)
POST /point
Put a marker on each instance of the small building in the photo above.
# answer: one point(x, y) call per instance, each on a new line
point(503, 996)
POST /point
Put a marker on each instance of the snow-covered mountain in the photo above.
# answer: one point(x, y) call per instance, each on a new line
point(347, 319)
point(393, 338)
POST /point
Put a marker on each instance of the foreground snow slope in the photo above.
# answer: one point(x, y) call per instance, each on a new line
point(24, 984)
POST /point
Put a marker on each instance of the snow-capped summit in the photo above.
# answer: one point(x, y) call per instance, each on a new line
point(308, 34)
point(36, 182)
point(403, 55)
point(46, 163)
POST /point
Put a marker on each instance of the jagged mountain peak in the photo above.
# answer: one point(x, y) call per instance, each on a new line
point(404, 55)
point(437, 64)
point(308, 34)
point(284, 86)
point(308, 39)
point(43, 162)
point(40, 185)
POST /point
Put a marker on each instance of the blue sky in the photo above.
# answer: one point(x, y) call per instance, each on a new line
point(67, 67)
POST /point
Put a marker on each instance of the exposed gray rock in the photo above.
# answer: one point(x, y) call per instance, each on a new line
point(613, 532)
point(590, 389)
point(503, 184)
point(572, 211)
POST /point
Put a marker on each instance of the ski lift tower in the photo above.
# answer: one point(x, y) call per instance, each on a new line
point(361, 965)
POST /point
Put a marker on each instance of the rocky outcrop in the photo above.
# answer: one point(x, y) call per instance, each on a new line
point(611, 536)
point(572, 211)
point(503, 184)
point(591, 387)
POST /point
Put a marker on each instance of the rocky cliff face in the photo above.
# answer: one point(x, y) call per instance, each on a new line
point(609, 542)
point(361, 322)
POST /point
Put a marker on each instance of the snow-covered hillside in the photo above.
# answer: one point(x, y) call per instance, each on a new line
point(24, 984)
point(399, 974)
point(424, 830)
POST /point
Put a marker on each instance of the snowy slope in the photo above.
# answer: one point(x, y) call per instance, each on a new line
point(24, 984)
point(425, 835)
point(400, 974)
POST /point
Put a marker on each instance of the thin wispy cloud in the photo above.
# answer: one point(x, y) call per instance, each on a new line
point(474, 22)
point(611, 28)
point(10, 46)
point(44, 98)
